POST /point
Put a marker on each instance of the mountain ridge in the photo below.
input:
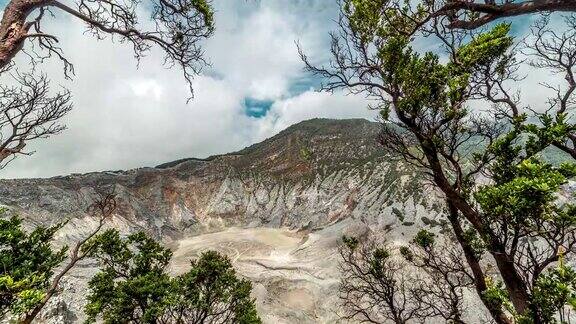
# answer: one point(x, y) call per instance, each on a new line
point(305, 176)
point(305, 156)
point(289, 129)
point(278, 208)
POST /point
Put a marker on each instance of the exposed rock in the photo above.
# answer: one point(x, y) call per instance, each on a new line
point(309, 185)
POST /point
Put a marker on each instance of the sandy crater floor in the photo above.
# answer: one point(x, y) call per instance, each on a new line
point(294, 273)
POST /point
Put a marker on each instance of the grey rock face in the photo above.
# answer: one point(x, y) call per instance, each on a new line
point(309, 178)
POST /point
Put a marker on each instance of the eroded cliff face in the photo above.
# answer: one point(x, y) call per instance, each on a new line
point(315, 181)
point(309, 176)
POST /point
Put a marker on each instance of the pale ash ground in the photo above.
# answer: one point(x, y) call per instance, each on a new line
point(294, 274)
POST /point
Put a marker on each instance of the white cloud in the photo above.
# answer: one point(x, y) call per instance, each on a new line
point(312, 104)
point(146, 88)
point(126, 117)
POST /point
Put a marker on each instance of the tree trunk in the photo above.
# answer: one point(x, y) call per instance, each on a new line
point(14, 28)
point(519, 295)
point(486, 12)
point(474, 264)
point(516, 287)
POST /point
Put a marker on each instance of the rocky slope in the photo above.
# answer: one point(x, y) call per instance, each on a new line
point(277, 208)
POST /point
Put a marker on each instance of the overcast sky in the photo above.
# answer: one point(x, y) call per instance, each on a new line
point(127, 116)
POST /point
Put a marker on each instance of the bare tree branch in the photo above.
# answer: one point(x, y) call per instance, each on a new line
point(103, 208)
point(27, 112)
point(178, 29)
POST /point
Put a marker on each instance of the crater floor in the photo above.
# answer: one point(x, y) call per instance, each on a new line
point(294, 274)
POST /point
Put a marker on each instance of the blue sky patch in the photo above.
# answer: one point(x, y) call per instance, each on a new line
point(257, 108)
point(304, 83)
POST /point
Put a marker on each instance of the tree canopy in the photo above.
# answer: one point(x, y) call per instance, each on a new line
point(177, 28)
point(134, 285)
point(28, 263)
point(490, 167)
point(29, 110)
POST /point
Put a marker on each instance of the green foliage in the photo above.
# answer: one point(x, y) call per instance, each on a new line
point(424, 239)
point(506, 153)
point(528, 197)
point(210, 286)
point(398, 214)
point(552, 129)
point(430, 222)
point(496, 296)
point(554, 290)
point(567, 169)
point(134, 285)
point(381, 254)
point(305, 154)
point(484, 48)
point(428, 90)
point(508, 196)
point(350, 242)
point(365, 17)
point(27, 263)
point(378, 262)
point(476, 243)
point(524, 196)
point(428, 86)
point(207, 12)
point(406, 253)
